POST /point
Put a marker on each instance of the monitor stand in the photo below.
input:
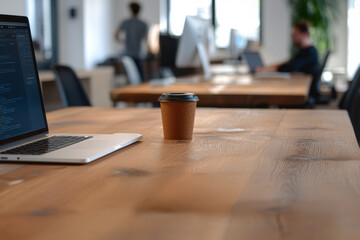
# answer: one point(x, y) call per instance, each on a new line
point(204, 59)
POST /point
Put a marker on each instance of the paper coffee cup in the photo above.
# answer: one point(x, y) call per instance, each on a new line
point(178, 115)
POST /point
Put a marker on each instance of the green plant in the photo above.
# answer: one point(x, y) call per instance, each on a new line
point(320, 14)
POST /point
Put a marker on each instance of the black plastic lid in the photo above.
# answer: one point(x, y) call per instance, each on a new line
point(178, 97)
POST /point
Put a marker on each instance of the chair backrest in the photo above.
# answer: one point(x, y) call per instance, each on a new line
point(70, 88)
point(355, 115)
point(132, 73)
point(351, 103)
point(315, 84)
point(347, 100)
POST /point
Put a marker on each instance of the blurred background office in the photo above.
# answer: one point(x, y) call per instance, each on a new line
point(80, 33)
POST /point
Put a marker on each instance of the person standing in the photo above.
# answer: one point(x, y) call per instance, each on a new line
point(135, 33)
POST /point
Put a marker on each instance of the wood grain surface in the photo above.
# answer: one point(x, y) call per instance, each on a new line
point(227, 91)
point(247, 174)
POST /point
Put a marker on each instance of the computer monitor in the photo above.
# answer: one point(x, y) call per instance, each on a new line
point(237, 43)
point(193, 45)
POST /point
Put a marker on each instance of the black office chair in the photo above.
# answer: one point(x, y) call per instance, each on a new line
point(70, 88)
point(351, 103)
point(347, 98)
point(316, 85)
point(355, 116)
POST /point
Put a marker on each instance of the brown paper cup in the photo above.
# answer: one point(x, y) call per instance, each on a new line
point(178, 119)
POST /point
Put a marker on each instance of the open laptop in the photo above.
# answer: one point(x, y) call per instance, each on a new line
point(254, 60)
point(23, 125)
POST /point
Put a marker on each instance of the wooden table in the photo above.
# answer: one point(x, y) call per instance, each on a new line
point(247, 174)
point(227, 91)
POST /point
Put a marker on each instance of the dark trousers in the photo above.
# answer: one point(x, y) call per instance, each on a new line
point(139, 65)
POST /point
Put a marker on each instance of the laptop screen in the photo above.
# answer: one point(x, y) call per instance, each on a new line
point(253, 60)
point(21, 106)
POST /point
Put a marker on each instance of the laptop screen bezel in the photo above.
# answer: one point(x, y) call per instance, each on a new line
point(45, 130)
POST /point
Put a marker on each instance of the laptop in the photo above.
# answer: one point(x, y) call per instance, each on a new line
point(254, 61)
point(24, 133)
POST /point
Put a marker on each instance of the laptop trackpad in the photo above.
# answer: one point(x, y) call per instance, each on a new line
point(97, 144)
point(86, 149)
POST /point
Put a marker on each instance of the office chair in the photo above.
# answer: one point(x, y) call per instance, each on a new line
point(351, 103)
point(355, 115)
point(347, 98)
point(132, 73)
point(315, 89)
point(70, 88)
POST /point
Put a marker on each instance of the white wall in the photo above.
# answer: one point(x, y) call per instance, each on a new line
point(84, 40)
point(98, 40)
point(354, 38)
point(71, 33)
point(338, 57)
point(13, 7)
point(276, 31)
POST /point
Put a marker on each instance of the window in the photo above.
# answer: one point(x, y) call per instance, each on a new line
point(179, 9)
point(42, 18)
point(353, 37)
point(241, 15)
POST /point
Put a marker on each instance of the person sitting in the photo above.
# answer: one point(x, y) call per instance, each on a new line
point(305, 59)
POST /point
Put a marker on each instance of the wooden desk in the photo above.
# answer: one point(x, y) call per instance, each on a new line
point(227, 91)
point(225, 68)
point(247, 174)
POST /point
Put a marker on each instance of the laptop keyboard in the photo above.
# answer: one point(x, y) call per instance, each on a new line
point(46, 145)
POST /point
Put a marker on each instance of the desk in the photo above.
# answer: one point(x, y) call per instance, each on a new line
point(247, 174)
point(227, 91)
point(224, 68)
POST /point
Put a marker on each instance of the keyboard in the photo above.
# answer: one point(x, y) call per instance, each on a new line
point(46, 145)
